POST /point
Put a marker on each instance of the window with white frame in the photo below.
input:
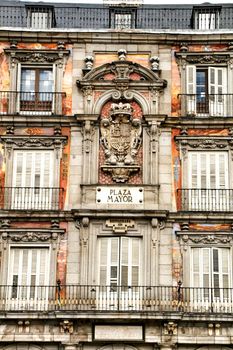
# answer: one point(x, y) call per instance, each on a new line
point(122, 18)
point(208, 170)
point(210, 271)
point(119, 261)
point(208, 181)
point(28, 273)
point(206, 89)
point(40, 17)
point(33, 179)
point(206, 18)
point(36, 86)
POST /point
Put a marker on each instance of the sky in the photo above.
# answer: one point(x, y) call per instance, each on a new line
point(155, 2)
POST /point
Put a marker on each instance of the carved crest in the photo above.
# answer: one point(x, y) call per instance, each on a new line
point(121, 139)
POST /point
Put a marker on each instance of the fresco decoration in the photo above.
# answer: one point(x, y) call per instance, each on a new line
point(176, 171)
point(177, 258)
point(121, 162)
point(209, 227)
point(176, 85)
point(64, 170)
point(21, 224)
point(34, 131)
point(102, 58)
point(62, 256)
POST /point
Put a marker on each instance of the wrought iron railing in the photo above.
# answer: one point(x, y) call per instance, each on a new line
point(101, 17)
point(114, 299)
point(210, 105)
point(203, 199)
point(32, 103)
point(31, 198)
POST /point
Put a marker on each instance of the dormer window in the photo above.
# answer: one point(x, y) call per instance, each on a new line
point(123, 18)
point(40, 17)
point(206, 18)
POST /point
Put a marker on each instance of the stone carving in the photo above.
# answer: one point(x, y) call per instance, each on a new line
point(121, 139)
point(89, 62)
point(206, 239)
point(154, 63)
point(66, 326)
point(122, 54)
point(170, 328)
point(120, 225)
point(35, 141)
point(29, 236)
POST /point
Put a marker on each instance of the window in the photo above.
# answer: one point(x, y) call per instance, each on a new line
point(40, 17)
point(119, 273)
point(32, 183)
point(206, 90)
point(36, 89)
point(206, 18)
point(119, 262)
point(123, 18)
point(208, 181)
point(210, 271)
point(28, 275)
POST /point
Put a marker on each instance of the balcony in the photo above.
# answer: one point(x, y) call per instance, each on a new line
point(31, 198)
point(32, 103)
point(205, 199)
point(207, 105)
point(141, 299)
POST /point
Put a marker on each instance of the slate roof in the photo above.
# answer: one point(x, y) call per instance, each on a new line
point(96, 16)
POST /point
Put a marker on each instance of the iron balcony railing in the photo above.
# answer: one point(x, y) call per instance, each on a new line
point(102, 17)
point(206, 105)
point(116, 299)
point(32, 103)
point(203, 199)
point(31, 198)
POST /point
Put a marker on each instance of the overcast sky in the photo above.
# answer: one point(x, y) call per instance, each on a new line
point(145, 1)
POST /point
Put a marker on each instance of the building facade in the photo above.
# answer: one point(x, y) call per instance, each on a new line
point(116, 196)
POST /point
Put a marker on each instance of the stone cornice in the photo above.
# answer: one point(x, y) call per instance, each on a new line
point(113, 36)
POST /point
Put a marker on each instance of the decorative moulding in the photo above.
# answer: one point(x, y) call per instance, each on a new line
point(33, 141)
point(203, 238)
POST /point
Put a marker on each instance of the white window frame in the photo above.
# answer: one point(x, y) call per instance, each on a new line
point(114, 296)
point(206, 19)
point(208, 197)
point(51, 67)
point(216, 95)
point(37, 19)
point(24, 299)
point(32, 197)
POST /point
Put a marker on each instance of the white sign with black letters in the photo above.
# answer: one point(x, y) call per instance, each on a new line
point(119, 195)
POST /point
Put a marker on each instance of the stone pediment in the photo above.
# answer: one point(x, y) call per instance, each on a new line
point(110, 75)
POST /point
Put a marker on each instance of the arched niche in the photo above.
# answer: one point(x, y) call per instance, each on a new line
point(22, 346)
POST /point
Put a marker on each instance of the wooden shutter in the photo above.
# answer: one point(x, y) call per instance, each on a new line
point(29, 266)
point(119, 261)
point(210, 268)
point(191, 89)
point(208, 170)
point(33, 169)
point(217, 90)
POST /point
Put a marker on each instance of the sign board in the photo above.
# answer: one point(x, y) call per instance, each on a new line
point(135, 3)
point(118, 332)
point(119, 195)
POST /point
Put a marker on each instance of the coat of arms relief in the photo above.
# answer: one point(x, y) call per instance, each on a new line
point(121, 139)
